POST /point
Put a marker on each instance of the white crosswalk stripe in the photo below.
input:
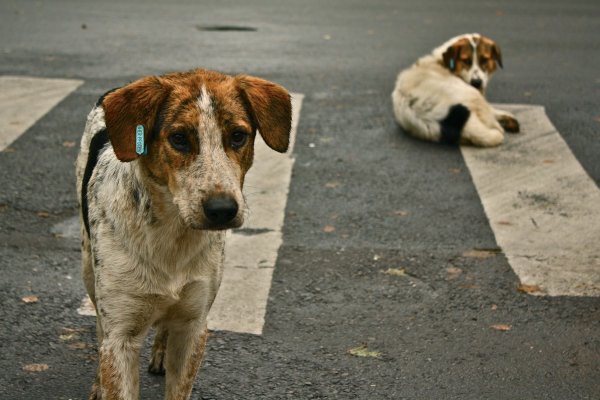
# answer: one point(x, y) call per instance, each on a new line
point(250, 257)
point(543, 207)
point(24, 100)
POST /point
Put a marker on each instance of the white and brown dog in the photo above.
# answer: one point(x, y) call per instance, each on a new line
point(159, 180)
point(442, 96)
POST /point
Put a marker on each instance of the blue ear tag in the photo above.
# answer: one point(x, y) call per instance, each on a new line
point(451, 64)
point(140, 146)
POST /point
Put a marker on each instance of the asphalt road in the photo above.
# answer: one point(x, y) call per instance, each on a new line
point(395, 203)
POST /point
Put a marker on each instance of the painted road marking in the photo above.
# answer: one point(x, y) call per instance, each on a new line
point(543, 207)
point(24, 100)
point(250, 252)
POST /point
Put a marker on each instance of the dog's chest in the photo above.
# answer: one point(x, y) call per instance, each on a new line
point(179, 261)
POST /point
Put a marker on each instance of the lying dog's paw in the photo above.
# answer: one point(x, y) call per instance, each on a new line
point(509, 124)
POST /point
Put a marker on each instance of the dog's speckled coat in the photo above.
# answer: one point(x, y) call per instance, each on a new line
point(153, 227)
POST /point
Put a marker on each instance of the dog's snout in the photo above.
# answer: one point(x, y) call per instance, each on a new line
point(476, 83)
point(220, 210)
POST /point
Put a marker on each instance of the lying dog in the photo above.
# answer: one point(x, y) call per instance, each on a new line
point(159, 179)
point(442, 96)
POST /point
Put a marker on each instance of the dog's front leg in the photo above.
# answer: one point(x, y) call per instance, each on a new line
point(187, 336)
point(185, 349)
point(125, 322)
point(96, 392)
point(119, 377)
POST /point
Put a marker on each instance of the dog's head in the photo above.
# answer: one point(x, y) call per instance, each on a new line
point(473, 58)
point(199, 128)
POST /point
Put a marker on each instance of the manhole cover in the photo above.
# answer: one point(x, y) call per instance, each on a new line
point(225, 28)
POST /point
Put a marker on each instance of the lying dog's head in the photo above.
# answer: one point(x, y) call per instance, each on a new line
point(199, 128)
point(473, 58)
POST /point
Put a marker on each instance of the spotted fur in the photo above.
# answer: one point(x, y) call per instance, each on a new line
point(453, 77)
point(153, 226)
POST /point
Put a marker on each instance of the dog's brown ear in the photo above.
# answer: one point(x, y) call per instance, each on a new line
point(125, 108)
point(497, 54)
point(490, 49)
point(271, 109)
point(450, 56)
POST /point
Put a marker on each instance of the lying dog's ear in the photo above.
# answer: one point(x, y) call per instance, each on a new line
point(450, 56)
point(271, 109)
point(497, 54)
point(125, 108)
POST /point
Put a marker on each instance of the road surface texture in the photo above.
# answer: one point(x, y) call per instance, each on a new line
point(387, 251)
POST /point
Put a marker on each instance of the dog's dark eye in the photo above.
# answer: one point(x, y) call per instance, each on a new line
point(180, 142)
point(238, 139)
point(468, 61)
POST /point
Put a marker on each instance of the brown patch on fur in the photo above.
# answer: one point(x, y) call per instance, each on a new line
point(489, 54)
point(233, 115)
point(192, 368)
point(109, 377)
point(459, 56)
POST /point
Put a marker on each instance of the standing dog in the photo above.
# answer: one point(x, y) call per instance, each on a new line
point(159, 180)
point(442, 96)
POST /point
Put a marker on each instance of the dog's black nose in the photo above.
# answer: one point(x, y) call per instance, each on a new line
point(220, 210)
point(476, 83)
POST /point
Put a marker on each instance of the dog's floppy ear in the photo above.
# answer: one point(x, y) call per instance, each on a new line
point(450, 56)
point(125, 108)
point(497, 54)
point(489, 48)
point(271, 109)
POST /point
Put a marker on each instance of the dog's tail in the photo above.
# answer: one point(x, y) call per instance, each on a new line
point(452, 125)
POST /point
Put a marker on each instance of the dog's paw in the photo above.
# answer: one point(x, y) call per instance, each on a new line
point(156, 366)
point(509, 124)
